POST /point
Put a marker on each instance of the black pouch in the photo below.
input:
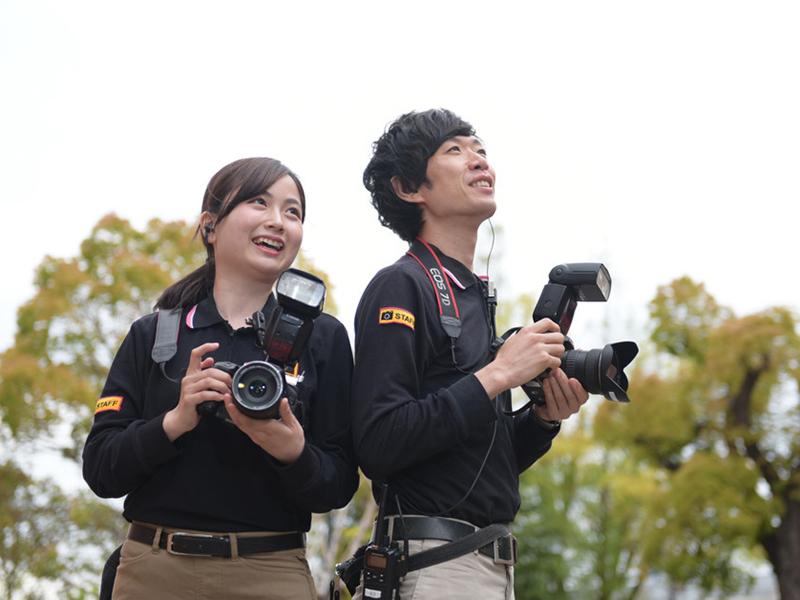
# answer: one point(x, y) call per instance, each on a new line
point(349, 570)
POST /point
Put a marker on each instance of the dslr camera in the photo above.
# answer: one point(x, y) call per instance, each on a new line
point(599, 370)
point(258, 386)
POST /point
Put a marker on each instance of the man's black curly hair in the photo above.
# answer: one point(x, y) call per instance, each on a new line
point(403, 151)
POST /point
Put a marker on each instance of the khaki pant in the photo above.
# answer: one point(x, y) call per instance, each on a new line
point(469, 577)
point(147, 573)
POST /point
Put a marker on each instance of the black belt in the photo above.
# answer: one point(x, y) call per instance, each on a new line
point(203, 544)
point(503, 550)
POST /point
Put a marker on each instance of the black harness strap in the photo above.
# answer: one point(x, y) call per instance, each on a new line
point(445, 299)
point(454, 549)
point(166, 344)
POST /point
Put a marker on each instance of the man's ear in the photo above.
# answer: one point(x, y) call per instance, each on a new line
point(399, 189)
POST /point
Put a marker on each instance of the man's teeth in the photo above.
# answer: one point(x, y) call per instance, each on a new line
point(482, 183)
point(275, 245)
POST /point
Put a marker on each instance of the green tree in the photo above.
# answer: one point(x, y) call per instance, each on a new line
point(583, 517)
point(66, 337)
point(721, 423)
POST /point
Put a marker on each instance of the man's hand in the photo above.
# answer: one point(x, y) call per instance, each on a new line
point(529, 352)
point(563, 397)
point(282, 438)
point(200, 384)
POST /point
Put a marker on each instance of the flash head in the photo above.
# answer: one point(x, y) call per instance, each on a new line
point(301, 292)
point(590, 282)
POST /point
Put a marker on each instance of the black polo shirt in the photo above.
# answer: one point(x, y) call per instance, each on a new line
point(214, 478)
point(422, 421)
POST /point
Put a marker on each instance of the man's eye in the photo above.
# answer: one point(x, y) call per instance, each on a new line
point(454, 149)
point(482, 152)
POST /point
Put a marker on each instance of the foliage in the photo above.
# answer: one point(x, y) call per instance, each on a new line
point(38, 523)
point(723, 430)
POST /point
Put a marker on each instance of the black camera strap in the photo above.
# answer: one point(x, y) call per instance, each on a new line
point(168, 324)
point(449, 316)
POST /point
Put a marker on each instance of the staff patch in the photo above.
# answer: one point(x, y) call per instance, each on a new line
point(391, 314)
point(108, 403)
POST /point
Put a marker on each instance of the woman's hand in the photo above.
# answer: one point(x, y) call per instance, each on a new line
point(202, 383)
point(282, 438)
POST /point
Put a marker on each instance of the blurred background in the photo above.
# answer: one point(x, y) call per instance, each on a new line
point(658, 138)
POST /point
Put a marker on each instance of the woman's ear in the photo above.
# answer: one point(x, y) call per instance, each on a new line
point(400, 190)
point(207, 228)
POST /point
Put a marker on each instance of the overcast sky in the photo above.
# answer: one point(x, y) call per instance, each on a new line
point(662, 138)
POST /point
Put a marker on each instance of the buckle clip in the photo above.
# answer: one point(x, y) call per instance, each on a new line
point(171, 539)
point(511, 548)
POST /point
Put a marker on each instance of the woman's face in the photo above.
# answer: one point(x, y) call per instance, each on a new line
point(261, 236)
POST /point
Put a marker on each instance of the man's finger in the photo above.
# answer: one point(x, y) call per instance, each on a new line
point(196, 357)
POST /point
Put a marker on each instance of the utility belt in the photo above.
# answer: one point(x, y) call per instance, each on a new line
point(226, 545)
point(503, 550)
point(384, 565)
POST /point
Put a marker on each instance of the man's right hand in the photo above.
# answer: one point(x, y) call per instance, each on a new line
point(526, 354)
point(200, 384)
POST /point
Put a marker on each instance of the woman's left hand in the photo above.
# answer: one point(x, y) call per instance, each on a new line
point(282, 438)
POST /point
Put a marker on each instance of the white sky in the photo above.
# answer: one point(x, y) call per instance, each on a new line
point(660, 138)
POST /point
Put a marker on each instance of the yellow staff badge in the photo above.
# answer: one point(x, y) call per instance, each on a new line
point(108, 403)
point(392, 314)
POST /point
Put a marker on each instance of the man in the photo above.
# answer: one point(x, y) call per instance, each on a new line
point(429, 392)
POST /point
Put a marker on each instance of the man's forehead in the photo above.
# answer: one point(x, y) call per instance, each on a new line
point(467, 140)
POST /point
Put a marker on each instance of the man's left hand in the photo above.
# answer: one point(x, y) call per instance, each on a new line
point(563, 396)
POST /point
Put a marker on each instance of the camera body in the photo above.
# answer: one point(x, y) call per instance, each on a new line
point(258, 386)
point(599, 370)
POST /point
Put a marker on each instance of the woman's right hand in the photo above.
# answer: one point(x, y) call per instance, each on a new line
point(200, 384)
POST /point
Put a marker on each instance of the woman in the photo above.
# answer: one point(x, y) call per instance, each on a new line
point(218, 508)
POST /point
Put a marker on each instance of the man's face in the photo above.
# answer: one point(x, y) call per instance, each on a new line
point(460, 181)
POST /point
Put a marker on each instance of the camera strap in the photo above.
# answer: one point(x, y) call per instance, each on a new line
point(449, 316)
point(168, 324)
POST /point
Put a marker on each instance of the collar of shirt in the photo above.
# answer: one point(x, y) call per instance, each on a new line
point(457, 272)
point(205, 313)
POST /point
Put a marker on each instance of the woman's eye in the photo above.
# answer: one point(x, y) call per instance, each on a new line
point(295, 212)
point(261, 201)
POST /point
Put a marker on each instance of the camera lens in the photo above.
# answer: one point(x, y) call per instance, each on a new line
point(257, 389)
point(600, 370)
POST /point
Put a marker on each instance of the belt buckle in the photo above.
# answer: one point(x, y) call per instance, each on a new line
point(171, 541)
point(512, 550)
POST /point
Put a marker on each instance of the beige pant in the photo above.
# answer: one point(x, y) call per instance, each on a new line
point(469, 577)
point(145, 573)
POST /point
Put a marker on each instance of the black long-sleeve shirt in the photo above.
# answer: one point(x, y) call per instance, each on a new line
point(214, 478)
point(422, 422)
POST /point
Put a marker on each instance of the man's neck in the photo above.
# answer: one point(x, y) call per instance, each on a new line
point(455, 241)
point(237, 299)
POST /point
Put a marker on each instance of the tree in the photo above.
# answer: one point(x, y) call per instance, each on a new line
point(66, 337)
point(721, 423)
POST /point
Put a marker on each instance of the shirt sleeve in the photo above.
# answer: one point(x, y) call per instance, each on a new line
point(123, 448)
point(532, 438)
point(395, 424)
point(325, 476)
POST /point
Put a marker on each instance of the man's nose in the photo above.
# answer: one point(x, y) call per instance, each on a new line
point(478, 161)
